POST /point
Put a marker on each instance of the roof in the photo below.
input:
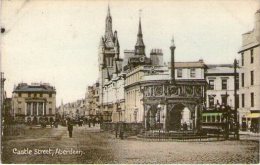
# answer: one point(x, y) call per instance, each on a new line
point(221, 68)
point(195, 64)
point(34, 88)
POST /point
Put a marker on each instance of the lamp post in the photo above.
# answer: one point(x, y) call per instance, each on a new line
point(159, 107)
point(235, 98)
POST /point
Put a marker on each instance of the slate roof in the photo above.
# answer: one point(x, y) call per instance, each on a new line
point(34, 88)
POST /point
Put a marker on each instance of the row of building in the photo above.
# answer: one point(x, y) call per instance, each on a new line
point(146, 90)
point(139, 88)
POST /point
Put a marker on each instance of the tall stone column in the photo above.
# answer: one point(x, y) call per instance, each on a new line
point(43, 108)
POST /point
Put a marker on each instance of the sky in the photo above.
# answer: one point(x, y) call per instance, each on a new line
point(57, 41)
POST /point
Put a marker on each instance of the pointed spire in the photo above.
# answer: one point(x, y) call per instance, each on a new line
point(116, 40)
point(108, 11)
point(109, 31)
point(139, 46)
point(140, 28)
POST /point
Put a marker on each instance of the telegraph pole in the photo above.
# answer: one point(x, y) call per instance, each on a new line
point(235, 98)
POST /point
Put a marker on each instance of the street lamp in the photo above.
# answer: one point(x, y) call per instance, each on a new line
point(236, 99)
point(159, 107)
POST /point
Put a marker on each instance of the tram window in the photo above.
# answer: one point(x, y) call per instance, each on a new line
point(218, 118)
point(213, 119)
point(208, 119)
point(204, 119)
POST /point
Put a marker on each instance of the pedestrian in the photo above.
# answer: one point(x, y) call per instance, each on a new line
point(70, 128)
point(89, 123)
point(94, 122)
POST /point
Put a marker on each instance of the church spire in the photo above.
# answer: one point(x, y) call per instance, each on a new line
point(139, 46)
point(109, 31)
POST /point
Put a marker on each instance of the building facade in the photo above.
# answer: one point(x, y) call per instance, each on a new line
point(220, 90)
point(74, 110)
point(114, 99)
point(109, 61)
point(93, 110)
point(33, 103)
point(249, 73)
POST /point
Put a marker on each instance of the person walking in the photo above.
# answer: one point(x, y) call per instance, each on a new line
point(70, 128)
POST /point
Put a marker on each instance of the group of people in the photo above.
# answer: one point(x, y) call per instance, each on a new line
point(119, 130)
point(70, 124)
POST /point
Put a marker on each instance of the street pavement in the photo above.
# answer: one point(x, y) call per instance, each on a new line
point(90, 145)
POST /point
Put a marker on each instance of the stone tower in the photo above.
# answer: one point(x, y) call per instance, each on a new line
point(109, 51)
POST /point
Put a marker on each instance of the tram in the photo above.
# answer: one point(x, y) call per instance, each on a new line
point(218, 121)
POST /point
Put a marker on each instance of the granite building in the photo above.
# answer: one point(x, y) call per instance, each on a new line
point(33, 103)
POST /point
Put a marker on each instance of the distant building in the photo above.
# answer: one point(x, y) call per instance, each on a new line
point(93, 110)
point(249, 73)
point(32, 103)
point(220, 91)
point(73, 110)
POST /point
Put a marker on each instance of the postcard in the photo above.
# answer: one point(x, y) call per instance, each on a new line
point(130, 82)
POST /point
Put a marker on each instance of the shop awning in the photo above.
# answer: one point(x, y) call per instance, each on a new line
point(253, 115)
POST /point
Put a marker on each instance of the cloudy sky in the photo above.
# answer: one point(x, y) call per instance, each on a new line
point(57, 41)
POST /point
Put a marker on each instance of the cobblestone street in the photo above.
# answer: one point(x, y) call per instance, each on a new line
point(101, 147)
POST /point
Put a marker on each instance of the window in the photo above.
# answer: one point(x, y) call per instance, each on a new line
point(237, 82)
point(28, 109)
point(40, 109)
point(252, 100)
point(192, 72)
point(34, 109)
point(211, 84)
point(40, 94)
point(29, 94)
point(237, 104)
point(211, 101)
point(242, 79)
point(50, 111)
point(224, 83)
point(218, 118)
point(213, 119)
point(224, 99)
point(252, 77)
point(19, 94)
point(242, 59)
point(50, 95)
point(243, 100)
point(204, 119)
point(19, 111)
point(35, 94)
point(179, 72)
point(252, 56)
point(208, 119)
